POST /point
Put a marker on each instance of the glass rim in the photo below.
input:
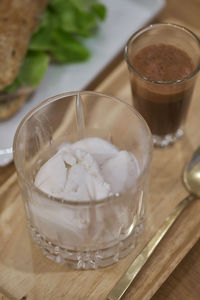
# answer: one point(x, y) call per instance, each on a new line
point(139, 32)
point(68, 94)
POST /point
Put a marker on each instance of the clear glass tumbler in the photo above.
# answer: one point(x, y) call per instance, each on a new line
point(82, 234)
point(163, 103)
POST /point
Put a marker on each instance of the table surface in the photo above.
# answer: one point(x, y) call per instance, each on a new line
point(183, 283)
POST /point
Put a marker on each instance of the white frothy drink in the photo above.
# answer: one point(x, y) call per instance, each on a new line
point(91, 169)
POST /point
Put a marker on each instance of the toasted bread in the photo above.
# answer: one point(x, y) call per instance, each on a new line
point(18, 21)
point(11, 103)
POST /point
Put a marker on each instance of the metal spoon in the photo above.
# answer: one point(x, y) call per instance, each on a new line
point(191, 175)
point(191, 179)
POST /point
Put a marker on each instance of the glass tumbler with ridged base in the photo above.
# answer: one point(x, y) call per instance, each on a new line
point(84, 234)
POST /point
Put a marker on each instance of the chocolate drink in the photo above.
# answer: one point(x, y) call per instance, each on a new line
point(163, 106)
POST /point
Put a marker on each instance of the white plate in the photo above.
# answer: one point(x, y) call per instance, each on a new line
point(124, 17)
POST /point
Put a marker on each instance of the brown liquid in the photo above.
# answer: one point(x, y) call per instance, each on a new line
point(164, 106)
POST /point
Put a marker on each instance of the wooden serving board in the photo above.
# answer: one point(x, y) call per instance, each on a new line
point(25, 272)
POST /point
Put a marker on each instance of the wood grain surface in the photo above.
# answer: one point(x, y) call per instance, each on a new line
point(24, 272)
point(183, 283)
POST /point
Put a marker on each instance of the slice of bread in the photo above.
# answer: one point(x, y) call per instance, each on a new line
point(18, 21)
point(11, 103)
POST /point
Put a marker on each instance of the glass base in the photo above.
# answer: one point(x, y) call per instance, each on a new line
point(166, 140)
point(85, 260)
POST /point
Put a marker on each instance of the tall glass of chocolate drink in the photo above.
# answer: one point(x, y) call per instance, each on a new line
point(163, 61)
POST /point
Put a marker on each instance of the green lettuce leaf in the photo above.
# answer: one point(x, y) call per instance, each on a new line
point(59, 36)
point(12, 88)
point(42, 40)
point(31, 73)
point(33, 68)
point(68, 49)
point(100, 10)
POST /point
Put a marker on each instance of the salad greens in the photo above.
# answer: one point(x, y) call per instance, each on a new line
point(59, 38)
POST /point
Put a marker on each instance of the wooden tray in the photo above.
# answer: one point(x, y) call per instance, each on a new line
point(24, 272)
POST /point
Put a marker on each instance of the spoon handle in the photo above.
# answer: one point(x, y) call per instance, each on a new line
point(127, 278)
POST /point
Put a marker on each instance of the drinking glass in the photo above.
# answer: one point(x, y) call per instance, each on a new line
point(90, 233)
point(163, 104)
